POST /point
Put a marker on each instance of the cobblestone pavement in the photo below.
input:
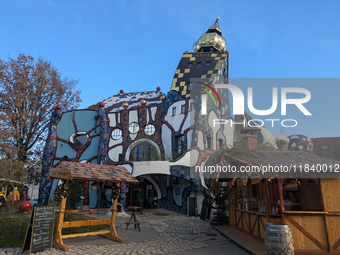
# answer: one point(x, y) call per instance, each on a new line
point(176, 233)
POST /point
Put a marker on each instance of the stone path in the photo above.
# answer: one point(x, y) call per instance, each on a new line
point(176, 233)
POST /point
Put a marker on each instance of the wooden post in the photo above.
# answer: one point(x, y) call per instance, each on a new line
point(229, 197)
point(58, 240)
point(267, 198)
point(325, 216)
point(235, 202)
point(281, 199)
point(113, 233)
point(248, 204)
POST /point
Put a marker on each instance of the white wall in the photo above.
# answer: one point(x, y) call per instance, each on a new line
point(151, 167)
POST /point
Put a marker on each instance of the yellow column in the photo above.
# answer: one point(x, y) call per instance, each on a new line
point(113, 233)
point(58, 240)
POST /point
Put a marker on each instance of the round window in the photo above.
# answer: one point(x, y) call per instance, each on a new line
point(79, 139)
point(149, 129)
point(133, 128)
point(116, 134)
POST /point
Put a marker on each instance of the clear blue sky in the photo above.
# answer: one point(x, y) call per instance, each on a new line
point(136, 45)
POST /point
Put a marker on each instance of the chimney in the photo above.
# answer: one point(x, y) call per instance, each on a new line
point(250, 142)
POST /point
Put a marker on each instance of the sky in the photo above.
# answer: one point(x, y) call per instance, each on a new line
point(137, 45)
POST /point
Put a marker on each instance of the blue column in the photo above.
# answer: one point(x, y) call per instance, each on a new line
point(104, 136)
point(123, 195)
point(48, 158)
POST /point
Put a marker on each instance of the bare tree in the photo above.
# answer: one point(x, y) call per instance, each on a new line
point(29, 89)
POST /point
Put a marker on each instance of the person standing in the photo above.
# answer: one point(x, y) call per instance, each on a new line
point(140, 199)
point(14, 195)
point(2, 199)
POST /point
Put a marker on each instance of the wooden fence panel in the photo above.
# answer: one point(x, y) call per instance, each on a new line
point(308, 231)
point(333, 224)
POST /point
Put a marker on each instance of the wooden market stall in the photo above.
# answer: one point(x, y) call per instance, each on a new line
point(309, 205)
point(69, 171)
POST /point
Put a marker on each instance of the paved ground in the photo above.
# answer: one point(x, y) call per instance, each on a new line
point(162, 232)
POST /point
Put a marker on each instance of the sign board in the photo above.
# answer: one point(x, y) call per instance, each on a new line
point(255, 181)
point(40, 229)
point(60, 173)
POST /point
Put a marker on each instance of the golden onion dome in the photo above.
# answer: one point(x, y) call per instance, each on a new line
point(143, 102)
point(125, 105)
point(211, 39)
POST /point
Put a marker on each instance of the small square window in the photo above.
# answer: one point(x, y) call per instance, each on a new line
point(220, 143)
point(173, 111)
point(190, 64)
point(324, 148)
point(183, 108)
point(207, 63)
point(192, 106)
point(208, 142)
point(198, 65)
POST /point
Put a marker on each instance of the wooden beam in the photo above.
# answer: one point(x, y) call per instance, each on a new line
point(112, 230)
point(267, 198)
point(309, 235)
point(102, 232)
point(245, 220)
point(328, 234)
point(253, 227)
point(229, 197)
point(62, 246)
point(313, 252)
point(58, 239)
point(73, 224)
point(116, 238)
point(306, 213)
point(262, 223)
point(91, 210)
point(248, 204)
point(238, 222)
point(235, 202)
point(336, 245)
point(281, 200)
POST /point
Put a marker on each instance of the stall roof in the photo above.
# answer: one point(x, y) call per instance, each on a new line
point(91, 172)
point(328, 147)
point(291, 187)
point(297, 164)
point(287, 158)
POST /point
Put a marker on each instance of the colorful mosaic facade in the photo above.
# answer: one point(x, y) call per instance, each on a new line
point(151, 134)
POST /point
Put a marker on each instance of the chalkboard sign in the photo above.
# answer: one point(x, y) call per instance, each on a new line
point(40, 229)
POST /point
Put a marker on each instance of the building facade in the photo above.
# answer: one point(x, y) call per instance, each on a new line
point(157, 137)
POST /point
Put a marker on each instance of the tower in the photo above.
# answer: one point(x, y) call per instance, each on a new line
point(209, 62)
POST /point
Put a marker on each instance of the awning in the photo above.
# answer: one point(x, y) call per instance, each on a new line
point(91, 172)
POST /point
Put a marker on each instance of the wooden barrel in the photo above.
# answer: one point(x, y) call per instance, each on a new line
point(278, 239)
point(216, 217)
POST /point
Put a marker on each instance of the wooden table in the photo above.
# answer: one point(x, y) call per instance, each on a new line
point(135, 221)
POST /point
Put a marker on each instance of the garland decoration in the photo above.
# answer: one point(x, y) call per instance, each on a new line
point(115, 191)
point(62, 192)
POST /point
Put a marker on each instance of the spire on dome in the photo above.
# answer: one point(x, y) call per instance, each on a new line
point(211, 39)
point(215, 28)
